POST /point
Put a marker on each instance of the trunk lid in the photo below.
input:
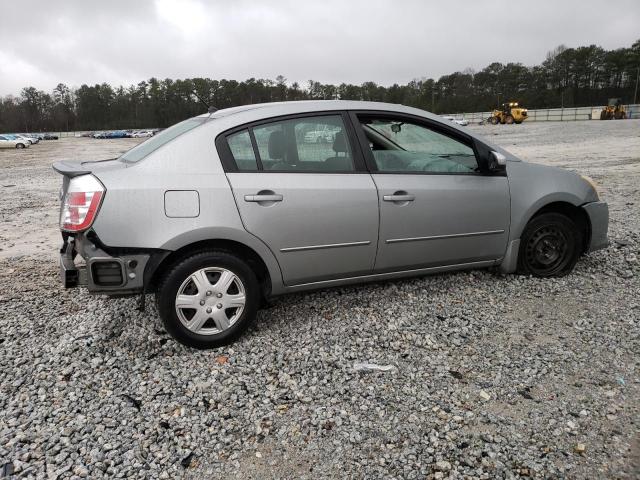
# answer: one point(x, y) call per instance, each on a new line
point(70, 169)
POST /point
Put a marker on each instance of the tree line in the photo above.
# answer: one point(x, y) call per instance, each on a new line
point(569, 77)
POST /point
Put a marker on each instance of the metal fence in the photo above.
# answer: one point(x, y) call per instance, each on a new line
point(554, 114)
point(540, 115)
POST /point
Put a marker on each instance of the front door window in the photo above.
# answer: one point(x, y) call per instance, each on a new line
point(400, 146)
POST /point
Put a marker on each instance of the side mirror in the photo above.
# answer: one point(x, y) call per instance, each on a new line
point(497, 161)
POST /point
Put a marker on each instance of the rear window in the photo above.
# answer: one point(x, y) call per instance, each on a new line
point(138, 152)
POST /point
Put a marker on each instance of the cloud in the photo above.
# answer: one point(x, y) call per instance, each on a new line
point(387, 41)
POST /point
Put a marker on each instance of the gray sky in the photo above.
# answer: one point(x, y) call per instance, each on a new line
point(43, 43)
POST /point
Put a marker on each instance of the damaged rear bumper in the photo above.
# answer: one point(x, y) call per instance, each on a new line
point(83, 263)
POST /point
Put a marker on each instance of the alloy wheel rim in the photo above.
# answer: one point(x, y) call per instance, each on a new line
point(546, 250)
point(210, 301)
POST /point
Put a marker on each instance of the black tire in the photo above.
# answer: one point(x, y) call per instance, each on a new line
point(550, 246)
point(19, 145)
point(509, 120)
point(175, 278)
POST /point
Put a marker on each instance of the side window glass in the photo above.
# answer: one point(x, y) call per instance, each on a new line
point(242, 151)
point(272, 147)
point(399, 146)
point(309, 144)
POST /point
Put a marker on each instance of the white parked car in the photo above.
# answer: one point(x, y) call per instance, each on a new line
point(142, 133)
point(9, 141)
point(325, 135)
point(460, 121)
point(27, 139)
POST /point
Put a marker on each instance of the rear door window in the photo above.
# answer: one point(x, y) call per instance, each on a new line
point(308, 144)
point(242, 151)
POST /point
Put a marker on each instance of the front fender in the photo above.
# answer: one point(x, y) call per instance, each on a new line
point(534, 186)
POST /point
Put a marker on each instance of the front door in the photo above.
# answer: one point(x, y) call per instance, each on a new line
point(436, 207)
point(300, 189)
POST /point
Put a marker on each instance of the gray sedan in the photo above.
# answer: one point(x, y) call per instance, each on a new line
point(223, 211)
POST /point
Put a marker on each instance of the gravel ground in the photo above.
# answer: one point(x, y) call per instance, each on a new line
point(491, 376)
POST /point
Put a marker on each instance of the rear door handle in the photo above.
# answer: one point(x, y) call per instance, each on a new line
point(263, 198)
point(399, 197)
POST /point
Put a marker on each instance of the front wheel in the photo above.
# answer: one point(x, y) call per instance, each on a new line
point(549, 246)
point(208, 299)
point(20, 145)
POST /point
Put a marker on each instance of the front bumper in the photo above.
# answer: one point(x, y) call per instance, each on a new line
point(101, 272)
point(598, 213)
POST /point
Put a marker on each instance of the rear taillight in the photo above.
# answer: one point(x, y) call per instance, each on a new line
point(81, 203)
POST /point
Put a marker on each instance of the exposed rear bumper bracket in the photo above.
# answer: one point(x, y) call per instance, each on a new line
point(70, 274)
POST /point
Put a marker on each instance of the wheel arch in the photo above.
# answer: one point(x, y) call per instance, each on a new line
point(575, 213)
point(246, 253)
point(247, 247)
point(563, 206)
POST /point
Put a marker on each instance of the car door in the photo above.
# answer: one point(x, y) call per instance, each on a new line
point(313, 203)
point(437, 206)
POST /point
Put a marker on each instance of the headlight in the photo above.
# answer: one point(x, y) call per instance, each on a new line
point(590, 181)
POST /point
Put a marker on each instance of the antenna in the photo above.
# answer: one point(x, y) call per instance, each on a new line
point(210, 109)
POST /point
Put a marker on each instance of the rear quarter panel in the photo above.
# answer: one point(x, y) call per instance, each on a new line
point(133, 211)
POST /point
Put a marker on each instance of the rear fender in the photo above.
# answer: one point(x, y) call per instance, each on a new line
point(241, 236)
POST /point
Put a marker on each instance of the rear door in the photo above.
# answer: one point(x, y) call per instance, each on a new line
point(307, 196)
point(437, 207)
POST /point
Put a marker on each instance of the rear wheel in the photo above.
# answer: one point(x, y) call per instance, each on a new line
point(208, 299)
point(549, 246)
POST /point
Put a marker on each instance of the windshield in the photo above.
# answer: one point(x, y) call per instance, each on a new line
point(138, 152)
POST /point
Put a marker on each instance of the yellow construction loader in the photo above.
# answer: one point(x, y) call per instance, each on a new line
point(508, 113)
point(614, 110)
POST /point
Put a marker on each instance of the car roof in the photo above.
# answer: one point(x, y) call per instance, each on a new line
point(259, 111)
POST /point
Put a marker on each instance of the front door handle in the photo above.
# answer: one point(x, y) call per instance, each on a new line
point(400, 196)
point(263, 197)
